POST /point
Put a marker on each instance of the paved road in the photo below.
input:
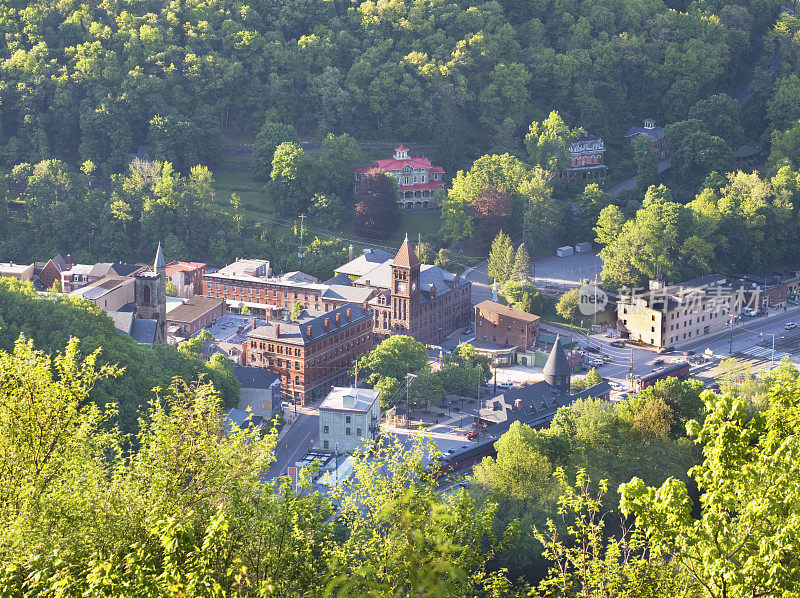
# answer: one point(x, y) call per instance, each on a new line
point(294, 444)
point(630, 183)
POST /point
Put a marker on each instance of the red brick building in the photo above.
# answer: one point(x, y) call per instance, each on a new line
point(420, 300)
point(504, 325)
point(249, 283)
point(312, 354)
point(187, 277)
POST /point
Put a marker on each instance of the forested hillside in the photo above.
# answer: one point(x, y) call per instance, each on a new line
point(83, 514)
point(51, 321)
point(93, 81)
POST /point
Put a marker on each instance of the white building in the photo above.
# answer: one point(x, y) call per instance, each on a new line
point(350, 418)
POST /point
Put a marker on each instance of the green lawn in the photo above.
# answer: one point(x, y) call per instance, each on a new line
point(250, 190)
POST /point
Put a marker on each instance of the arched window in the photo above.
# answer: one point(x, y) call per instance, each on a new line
point(147, 294)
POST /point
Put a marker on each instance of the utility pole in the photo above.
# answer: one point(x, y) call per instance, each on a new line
point(730, 337)
point(302, 250)
point(408, 410)
point(772, 361)
point(595, 300)
point(631, 372)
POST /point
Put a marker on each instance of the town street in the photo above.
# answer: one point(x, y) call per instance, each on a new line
point(295, 442)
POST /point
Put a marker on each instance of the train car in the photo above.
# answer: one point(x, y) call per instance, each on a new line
point(677, 370)
point(466, 457)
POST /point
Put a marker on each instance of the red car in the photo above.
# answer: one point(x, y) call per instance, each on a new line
point(472, 434)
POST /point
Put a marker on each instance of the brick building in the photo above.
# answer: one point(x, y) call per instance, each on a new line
point(420, 300)
point(504, 328)
point(657, 133)
point(51, 271)
point(585, 158)
point(187, 277)
point(193, 315)
point(417, 178)
point(250, 283)
point(313, 353)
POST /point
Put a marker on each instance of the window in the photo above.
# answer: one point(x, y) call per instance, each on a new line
point(347, 419)
point(358, 431)
point(347, 431)
point(325, 430)
point(509, 327)
point(324, 444)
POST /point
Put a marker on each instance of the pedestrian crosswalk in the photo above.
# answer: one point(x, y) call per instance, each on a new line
point(764, 353)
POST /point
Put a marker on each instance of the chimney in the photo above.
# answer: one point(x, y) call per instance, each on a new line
point(277, 330)
point(351, 253)
point(518, 404)
point(309, 332)
point(327, 324)
point(349, 315)
point(69, 261)
point(366, 283)
point(254, 323)
point(338, 320)
point(349, 401)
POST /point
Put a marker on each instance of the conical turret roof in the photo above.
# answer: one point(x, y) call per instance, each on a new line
point(406, 256)
point(160, 262)
point(557, 363)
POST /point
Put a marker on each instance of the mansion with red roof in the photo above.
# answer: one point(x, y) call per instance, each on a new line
point(417, 179)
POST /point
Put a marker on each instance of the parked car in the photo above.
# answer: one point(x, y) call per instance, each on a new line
point(472, 434)
point(617, 343)
point(504, 385)
point(664, 350)
point(687, 353)
point(790, 325)
point(658, 362)
point(597, 362)
point(593, 349)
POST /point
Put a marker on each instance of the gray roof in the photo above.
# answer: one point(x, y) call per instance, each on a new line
point(538, 405)
point(340, 279)
point(363, 399)
point(430, 277)
point(297, 332)
point(250, 377)
point(101, 287)
point(655, 132)
point(297, 276)
point(60, 263)
point(100, 269)
point(159, 262)
point(191, 309)
point(347, 293)
point(143, 331)
point(365, 262)
point(124, 269)
point(123, 320)
point(557, 363)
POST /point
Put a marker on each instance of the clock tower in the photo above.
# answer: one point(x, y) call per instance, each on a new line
point(405, 289)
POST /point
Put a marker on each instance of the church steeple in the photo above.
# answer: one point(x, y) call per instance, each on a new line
point(159, 263)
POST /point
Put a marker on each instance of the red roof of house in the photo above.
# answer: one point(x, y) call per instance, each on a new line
point(436, 169)
point(175, 267)
point(401, 148)
point(392, 164)
point(421, 186)
point(406, 256)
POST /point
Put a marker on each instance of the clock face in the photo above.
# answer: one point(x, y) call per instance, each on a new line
point(401, 287)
